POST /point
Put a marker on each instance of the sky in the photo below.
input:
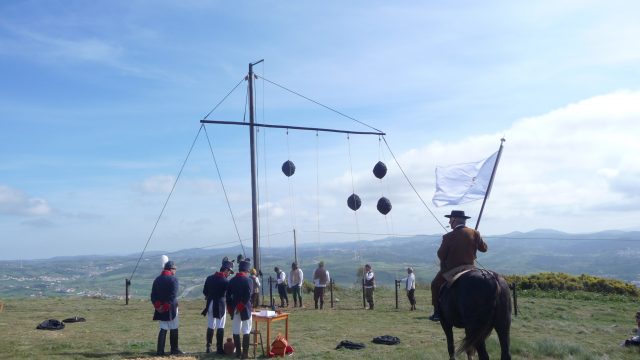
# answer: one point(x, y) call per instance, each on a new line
point(101, 102)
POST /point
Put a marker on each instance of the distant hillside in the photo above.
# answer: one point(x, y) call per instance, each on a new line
point(607, 254)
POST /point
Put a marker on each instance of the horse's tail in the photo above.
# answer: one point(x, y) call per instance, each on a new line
point(480, 334)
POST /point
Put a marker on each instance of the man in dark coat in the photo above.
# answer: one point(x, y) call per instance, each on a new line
point(215, 291)
point(164, 294)
point(240, 307)
point(456, 253)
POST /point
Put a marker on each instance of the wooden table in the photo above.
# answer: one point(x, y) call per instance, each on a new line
point(269, 319)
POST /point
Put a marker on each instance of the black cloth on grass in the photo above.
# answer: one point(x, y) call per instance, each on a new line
point(74, 319)
point(347, 344)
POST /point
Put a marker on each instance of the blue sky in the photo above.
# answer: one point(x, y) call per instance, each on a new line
point(100, 102)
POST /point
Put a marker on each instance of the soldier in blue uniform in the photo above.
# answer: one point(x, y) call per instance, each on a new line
point(240, 307)
point(215, 291)
point(164, 293)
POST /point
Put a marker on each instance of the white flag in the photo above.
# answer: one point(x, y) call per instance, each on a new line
point(461, 183)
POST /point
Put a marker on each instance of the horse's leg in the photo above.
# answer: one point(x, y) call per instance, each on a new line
point(503, 336)
point(481, 348)
point(502, 322)
point(448, 332)
point(469, 355)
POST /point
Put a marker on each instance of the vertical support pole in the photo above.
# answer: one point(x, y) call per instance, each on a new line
point(364, 306)
point(331, 282)
point(493, 174)
point(262, 288)
point(515, 298)
point(295, 247)
point(254, 180)
point(127, 284)
point(397, 286)
point(271, 291)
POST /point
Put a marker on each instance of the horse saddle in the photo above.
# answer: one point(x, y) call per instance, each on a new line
point(454, 274)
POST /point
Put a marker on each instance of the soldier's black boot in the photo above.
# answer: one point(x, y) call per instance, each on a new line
point(162, 339)
point(236, 342)
point(209, 339)
point(219, 340)
point(245, 345)
point(173, 341)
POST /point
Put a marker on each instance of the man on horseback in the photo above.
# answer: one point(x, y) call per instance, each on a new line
point(457, 252)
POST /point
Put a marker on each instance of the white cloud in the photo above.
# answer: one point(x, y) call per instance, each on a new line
point(578, 162)
point(159, 184)
point(16, 202)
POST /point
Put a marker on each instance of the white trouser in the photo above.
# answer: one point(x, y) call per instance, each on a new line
point(240, 326)
point(215, 323)
point(170, 325)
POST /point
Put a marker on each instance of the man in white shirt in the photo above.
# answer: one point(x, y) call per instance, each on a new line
point(296, 277)
point(369, 280)
point(410, 286)
point(281, 284)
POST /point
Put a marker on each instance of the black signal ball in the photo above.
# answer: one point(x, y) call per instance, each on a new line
point(288, 168)
point(354, 202)
point(384, 205)
point(380, 170)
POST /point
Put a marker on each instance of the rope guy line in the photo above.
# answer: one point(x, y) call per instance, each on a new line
point(318, 103)
point(166, 202)
point(224, 189)
point(410, 184)
point(224, 98)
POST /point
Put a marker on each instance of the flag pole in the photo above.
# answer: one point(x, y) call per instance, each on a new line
point(493, 174)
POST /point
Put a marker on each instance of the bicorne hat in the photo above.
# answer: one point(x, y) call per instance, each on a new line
point(457, 214)
point(227, 265)
point(244, 266)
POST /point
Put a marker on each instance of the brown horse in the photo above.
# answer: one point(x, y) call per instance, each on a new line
point(479, 301)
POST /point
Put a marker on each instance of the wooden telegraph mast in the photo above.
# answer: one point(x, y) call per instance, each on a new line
point(252, 126)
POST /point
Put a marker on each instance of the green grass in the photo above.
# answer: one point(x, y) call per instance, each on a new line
point(546, 328)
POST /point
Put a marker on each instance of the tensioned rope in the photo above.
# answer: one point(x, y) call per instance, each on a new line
point(320, 104)
point(291, 199)
point(264, 159)
point(318, 184)
point(492, 237)
point(224, 190)
point(266, 184)
point(353, 188)
point(224, 98)
point(369, 126)
point(383, 183)
point(411, 184)
point(165, 204)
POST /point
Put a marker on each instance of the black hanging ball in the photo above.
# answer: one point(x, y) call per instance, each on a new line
point(354, 202)
point(380, 170)
point(384, 205)
point(288, 168)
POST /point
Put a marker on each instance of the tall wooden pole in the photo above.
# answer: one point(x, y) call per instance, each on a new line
point(493, 174)
point(254, 191)
point(295, 247)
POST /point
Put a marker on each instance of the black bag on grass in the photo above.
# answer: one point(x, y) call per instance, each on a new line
point(386, 340)
point(51, 324)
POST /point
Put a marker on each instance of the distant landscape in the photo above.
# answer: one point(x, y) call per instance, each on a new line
point(609, 254)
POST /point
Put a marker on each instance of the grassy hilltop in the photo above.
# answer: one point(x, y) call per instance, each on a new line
point(585, 327)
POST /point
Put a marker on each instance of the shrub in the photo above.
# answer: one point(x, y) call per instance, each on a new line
point(564, 282)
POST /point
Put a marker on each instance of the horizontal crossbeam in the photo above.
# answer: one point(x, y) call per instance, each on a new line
point(379, 133)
